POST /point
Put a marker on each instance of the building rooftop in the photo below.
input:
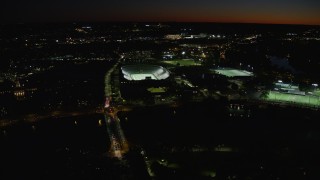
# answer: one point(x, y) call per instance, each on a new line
point(144, 72)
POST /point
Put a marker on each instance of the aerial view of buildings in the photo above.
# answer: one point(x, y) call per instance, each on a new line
point(153, 96)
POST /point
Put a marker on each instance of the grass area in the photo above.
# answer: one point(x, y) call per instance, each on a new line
point(182, 62)
point(317, 92)
point(229, 72)
point(157, 90)
point(292, 98)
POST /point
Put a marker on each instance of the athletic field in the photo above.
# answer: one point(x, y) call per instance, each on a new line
point(309, 100)
point(317, 92)
point(229, 72)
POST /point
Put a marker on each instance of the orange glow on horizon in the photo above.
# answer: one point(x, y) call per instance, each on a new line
point(220, 17)
point(254, 21)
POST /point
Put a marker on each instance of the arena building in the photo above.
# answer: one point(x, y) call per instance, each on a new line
point(144, 72)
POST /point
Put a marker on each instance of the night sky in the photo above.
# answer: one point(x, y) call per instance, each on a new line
point(245, 11)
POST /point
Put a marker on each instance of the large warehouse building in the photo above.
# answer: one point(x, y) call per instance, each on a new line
point(144, 72)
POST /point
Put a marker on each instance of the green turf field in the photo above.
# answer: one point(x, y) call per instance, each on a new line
point(157, 90)
point(292, 98)
point(229, 72)
point(317, 92)
point(182, 62)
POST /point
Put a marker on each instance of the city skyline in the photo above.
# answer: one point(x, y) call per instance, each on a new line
point(229, 11)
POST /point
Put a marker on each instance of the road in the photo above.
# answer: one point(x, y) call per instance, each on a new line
point(119, 144)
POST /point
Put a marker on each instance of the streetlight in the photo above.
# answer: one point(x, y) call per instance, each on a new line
point(315, 86)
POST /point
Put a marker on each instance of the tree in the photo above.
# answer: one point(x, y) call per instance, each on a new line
point(264, 94)
point(234, 86)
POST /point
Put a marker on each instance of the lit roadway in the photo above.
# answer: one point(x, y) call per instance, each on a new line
point(119, 144)
point(54, 114)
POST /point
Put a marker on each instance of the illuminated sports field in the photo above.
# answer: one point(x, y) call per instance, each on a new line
point(317, 92)
point(143, 72)
point(229, 72)
point(292, 98)
point(182, 62)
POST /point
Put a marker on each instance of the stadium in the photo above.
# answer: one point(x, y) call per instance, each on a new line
point(144, 72)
